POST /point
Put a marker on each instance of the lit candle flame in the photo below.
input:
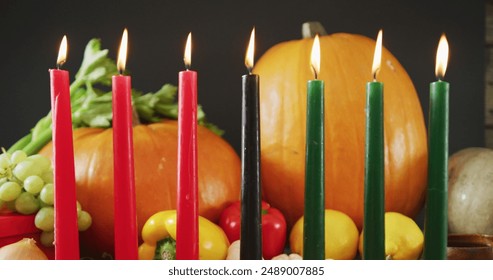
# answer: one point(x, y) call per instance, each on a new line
point(250, 52)
point(442, 58)
point(122, 53)
point(377, 56)
point(187, 58)
point(315, 57)
point(62, 52)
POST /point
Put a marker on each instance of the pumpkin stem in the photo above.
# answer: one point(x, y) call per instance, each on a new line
point(312, 28)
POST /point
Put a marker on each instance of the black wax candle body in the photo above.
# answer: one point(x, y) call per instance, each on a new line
point(251, 219)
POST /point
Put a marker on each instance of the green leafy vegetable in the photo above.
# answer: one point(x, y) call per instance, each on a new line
point(91, 101)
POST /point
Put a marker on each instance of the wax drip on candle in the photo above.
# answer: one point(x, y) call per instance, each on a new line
point(187, 57)
point(122, 53)
point(442, 58)
point(250, 52)
point(62, 53)
point(377, 56)
point(315, 57)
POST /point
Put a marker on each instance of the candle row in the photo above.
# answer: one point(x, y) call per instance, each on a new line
point(126, 235)
point(436, 215)
point(374, 188)
point(66, 234)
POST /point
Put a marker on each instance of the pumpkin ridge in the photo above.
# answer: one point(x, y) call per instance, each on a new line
point(341, 43)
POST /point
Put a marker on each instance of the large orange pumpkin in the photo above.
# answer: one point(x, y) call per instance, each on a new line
point(346, 68)
point(155, 155)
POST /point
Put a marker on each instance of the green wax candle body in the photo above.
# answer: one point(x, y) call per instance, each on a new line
point(314, 217)
point(436, 213)
point(374, 216)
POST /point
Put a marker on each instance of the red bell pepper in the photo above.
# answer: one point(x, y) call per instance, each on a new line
point(273, 228)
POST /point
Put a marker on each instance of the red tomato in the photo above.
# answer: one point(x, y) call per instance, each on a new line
point(273, 228)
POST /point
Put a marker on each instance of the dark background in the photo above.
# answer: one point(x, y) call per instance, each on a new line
point(30, 33)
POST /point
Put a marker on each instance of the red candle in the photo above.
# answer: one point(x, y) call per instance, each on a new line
point(66, 231)
point(187, 235)
point(125, 220)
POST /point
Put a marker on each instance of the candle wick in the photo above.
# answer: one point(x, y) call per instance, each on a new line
point(249, 70)
point(314, 72)
point(60, 63)
point(120, 71)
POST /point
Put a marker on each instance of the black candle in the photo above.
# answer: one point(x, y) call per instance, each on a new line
point(251, 219)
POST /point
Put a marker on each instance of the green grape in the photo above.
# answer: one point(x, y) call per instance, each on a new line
point(10, 191)
point(46, 194)
point(45, 219)
point(84, 221)
point(18, 156)
point(47, 238)
point(33, 184)
point(10, 205)
point(26, 204)
point(1, 203)
point(42, 203)
point(47, 176)
point(41, 161)
point(25, 169)
point(4, 160)
point(3, 180)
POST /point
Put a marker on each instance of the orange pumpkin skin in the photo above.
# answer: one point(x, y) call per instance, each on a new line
point(346, 61)
point(155, 158)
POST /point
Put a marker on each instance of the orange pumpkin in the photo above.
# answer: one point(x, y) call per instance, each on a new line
point(155, 157)
point(346, 61)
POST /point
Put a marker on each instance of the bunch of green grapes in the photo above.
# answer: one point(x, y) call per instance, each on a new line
point(26, 187)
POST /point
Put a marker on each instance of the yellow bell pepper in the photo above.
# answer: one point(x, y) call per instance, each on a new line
point(159, 234)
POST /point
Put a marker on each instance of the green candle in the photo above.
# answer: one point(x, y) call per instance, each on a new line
point(436, 218)
point(374, 215)
point(314, 217)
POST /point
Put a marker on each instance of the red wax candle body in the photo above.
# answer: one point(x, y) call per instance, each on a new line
point(126, 241)
point(187, 235)
point(66, 231)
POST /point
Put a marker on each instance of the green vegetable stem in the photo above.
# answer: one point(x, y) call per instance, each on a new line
point(92, 106)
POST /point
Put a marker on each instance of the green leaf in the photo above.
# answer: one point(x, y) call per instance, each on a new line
point(96, 67)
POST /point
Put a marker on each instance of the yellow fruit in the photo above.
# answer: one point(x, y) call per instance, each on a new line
point(403, 238)
point(341, 236)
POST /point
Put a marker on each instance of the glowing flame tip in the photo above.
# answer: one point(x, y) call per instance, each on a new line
point(377, 56)
point(122, 53)
point(62, 52)
point(442, 57)
point(315, 57)
point(187, 57)
point(250, 52)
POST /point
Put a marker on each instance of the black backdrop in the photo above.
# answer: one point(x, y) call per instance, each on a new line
point(30, 33)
